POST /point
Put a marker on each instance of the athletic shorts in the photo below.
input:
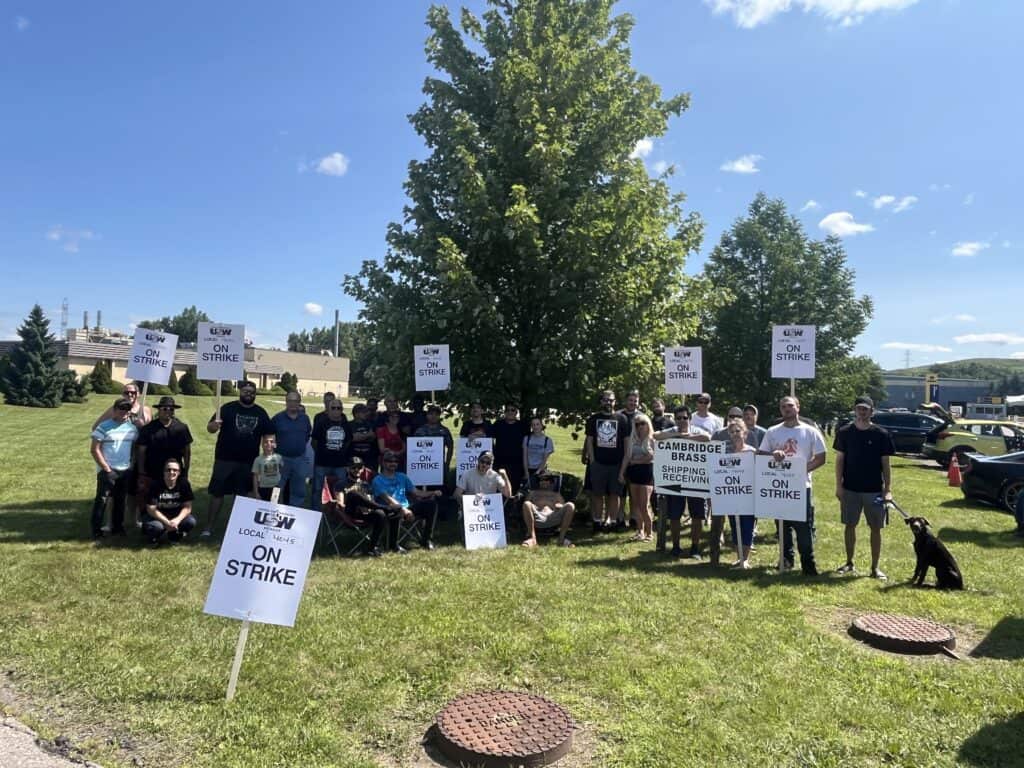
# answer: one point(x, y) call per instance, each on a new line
point(640, 474)
point(854, 502)
point(676, 505)
point(546, 517)
point(230, 478)
point(604, 479)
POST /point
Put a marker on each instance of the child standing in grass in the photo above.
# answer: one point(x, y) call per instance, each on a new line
point(266, 469)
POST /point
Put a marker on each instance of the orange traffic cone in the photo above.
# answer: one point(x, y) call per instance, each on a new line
point(954, 471)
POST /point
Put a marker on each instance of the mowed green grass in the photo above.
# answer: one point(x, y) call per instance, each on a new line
point(662, 663)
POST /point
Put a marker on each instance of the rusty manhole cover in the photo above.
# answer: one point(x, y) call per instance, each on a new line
point(504, 728)
point(903, 634)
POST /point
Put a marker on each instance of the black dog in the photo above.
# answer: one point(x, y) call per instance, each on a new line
point(932, 553)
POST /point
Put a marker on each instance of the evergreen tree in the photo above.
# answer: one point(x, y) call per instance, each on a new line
point(172, 383)
point(32, 377)
point(73, 388)
point(100, 380)
point(190, 385)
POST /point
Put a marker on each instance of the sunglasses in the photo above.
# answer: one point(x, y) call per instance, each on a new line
point(130, 393)
point(703, 402)
point(682, 418)
point(124, 408)
point(166, 408)
point(486, 462)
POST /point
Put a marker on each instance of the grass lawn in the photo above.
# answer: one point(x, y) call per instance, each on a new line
point(662, 663)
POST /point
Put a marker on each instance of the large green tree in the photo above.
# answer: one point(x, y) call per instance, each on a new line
point(777, 275)
point(534, 243)
point(354, 342)
point(185, 324)
point(31, 376)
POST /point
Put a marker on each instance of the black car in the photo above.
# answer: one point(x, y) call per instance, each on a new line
point(908, 429)
point(999, 479)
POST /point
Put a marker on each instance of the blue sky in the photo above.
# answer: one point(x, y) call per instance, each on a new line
point(244, 158)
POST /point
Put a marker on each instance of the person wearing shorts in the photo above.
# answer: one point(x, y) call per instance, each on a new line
point(863, 481)
point(676, 505)
point(603, 449)
point(546, 508)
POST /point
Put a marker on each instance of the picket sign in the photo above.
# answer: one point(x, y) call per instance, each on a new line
point(261, 568)
point(220, 353)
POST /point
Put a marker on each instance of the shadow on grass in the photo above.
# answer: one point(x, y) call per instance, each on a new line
point(649, 561)
point(995, 744)
point(971, 505)
point(1005, 641)
point(988, 539)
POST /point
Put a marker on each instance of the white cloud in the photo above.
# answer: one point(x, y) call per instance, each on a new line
point(810, 205)
point(969, 248)
point(962, 317)
point(842, 224)
point(742, 164)
point(906, 345)
point(661, 166)
point(1017, 355)
point(335, 164)
point(859, 193)
point(904, 203)
point(883, 200)
point(642, 149)
point(69, 238)
point(751, 13)
point(21, 23)
point(312, 308)
point(1001, 339)
point(965, 318)
point(969, 198)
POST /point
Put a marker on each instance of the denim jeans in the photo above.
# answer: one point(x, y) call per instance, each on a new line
point(294, 474)
point(320, 473)
point(805, 535)
point(154, 529)
point(114, 486)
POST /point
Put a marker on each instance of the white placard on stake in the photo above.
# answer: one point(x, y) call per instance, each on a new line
point(433, 368)
point(781, 488)
point(261, 569)
point(425, 460)
point(683, 374)
point(681, 466)
point(468, 451)
point(793, 351)
point(152, 356)
point(220, 352)
point(732, 484)
point(483, 520)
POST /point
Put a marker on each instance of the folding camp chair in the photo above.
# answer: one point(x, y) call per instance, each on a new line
point(533, 483)
point(335, 523)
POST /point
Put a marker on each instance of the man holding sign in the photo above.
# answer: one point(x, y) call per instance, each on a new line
point(796, 440)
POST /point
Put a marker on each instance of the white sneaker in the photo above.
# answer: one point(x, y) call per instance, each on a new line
point(207, 533)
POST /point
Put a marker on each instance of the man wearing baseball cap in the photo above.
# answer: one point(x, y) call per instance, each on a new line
point(863, 481)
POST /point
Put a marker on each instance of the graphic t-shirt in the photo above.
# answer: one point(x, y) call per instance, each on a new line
point(803, 441)
point(608, 432)
point(710, 423)
point(267, 470)
point(332, 442)
point(398, 487)
point(862, 451)
point(240, 432)
point(168, 500)
point(116, 440)
point(367, 451)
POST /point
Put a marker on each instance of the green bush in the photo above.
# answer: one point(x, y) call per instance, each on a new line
point(190, 385)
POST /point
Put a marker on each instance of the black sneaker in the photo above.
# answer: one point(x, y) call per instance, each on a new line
point(596, 526)
point(400, 550)
point(375, 552)
point(620, 525)
point(676, 553)
point(154, 543)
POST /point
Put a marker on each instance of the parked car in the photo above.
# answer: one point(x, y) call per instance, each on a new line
point(908, 429)
point(998, 479)
point(963, 436)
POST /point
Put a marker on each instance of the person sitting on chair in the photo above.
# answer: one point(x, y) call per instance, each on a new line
point(546, 508)
point(350, 494)
point(393, 489)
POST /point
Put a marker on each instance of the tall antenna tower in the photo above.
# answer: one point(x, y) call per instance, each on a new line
point(907, 359)
point(64, 319)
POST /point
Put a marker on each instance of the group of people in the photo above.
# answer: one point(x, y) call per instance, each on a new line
point(355, 467)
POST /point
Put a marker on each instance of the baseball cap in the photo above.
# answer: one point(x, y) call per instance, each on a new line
point(864, 400)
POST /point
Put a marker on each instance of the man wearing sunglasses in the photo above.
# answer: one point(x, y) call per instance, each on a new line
point(111, 448)
point(161, 440)
point(393, 489)
point(677, 505)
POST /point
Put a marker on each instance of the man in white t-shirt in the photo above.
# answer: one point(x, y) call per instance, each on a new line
point(796, 439)
point(483, 479)
point(704, 418)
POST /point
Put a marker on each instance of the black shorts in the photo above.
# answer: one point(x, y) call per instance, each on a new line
point(640, 474)
point(230, 478)
point(676, 505)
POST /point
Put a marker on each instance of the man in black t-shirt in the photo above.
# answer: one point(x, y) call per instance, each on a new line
point(332, 447)
point(863, 481)
point(239, 429)
point(168, 509)
point(164, 438)
point(603, 449)
point(508, 433)
point(364, 436)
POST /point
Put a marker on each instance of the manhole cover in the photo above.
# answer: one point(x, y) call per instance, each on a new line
point(903, 634)
point(504, 728)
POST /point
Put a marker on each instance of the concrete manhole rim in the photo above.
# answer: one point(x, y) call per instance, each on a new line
point(903, 634)
point(502, 728)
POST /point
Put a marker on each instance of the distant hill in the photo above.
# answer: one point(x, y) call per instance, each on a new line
point(1007, 374)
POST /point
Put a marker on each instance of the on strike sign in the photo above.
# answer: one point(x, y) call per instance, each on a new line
point(433, 367)
point(425, 460)
point(152, 356)
point(732, 484)
point(469, 449)
point(781, 489)
point(483, 520)
point(220, 350)
point(793, 351)
point(681, 466)
point(683, 371)
point(263, 561)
